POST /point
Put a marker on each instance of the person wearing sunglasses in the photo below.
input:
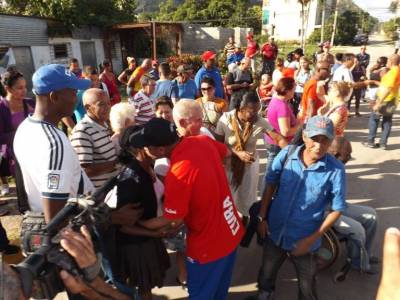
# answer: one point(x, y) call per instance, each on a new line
point(212, 106)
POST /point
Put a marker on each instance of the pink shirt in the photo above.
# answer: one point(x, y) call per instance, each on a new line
point(279, 109)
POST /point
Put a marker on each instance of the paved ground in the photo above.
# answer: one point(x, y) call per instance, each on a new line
point(372, 179)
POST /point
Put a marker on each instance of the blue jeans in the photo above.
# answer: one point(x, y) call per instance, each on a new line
point(210, 281)
point(358, 224)
point(273, 258)
point(373, 124)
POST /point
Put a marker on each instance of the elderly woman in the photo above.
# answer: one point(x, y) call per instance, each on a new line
point(211, 106)
point(122, 115)
point(240, 129)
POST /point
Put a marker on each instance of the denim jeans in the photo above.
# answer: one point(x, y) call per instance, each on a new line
point(373, 124)
point(358, 224)
point(273, 258)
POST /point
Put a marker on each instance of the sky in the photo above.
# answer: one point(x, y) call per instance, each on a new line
point(377, 8)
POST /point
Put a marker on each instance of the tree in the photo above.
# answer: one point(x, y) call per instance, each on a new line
point(75, 13)
point(226, 13)
point(305, 11)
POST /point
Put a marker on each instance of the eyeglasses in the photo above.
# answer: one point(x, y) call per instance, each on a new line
point(206, 89)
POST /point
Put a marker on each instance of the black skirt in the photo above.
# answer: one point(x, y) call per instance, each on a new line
point(144, 264)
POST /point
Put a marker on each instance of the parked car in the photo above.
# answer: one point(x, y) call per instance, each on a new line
point(360, 39)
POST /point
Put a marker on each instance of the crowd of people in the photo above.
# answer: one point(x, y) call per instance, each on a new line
point(180, 140)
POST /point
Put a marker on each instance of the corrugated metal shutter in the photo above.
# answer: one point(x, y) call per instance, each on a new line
point(23, 31)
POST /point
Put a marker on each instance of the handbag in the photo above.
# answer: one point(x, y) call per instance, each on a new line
point(387, 109)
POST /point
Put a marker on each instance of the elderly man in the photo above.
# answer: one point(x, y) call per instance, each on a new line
point(240, 81)
point(186, 86)
point(214, 227)
point(143, 101)
point(210, 70)
point(385, 106)
point(133, 84)
point(49, 164)
point(91, 138)
point(305, 181)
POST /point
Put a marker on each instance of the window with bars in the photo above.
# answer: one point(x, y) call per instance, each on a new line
point(60, 50)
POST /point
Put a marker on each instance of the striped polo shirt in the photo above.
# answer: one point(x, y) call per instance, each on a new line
point(144, 106)
point(92, 142)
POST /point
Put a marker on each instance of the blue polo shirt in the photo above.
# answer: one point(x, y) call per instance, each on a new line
point(214, 74)
point(303, 196)
point(187, 90)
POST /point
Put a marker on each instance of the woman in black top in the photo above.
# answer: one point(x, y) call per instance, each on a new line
point(143, 259)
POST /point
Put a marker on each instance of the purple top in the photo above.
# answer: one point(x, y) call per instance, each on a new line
point(17, 118)
point(9, 123)
point(279, 109)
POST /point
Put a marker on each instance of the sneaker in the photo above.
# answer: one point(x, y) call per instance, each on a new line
point(383, 147)
point(11, 249)
point(5, 190)
point(370, 145)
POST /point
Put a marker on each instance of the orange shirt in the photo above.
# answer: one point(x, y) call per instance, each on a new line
point(310, 92)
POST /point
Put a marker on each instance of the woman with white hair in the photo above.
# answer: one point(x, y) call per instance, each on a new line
point(122, 115)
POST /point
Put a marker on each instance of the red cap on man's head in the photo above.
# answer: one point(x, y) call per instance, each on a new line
point(208, 55)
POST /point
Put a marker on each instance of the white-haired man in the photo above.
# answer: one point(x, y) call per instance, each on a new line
point(91, 138)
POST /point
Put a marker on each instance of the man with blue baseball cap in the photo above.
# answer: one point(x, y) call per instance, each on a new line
point(50, 166)
point(304, 181)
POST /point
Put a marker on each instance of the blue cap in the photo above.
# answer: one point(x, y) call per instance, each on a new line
point(320, 125)
point(52, 78)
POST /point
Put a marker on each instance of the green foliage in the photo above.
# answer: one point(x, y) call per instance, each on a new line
point(390, 26)
point(348, 24)
point(188, 59)
point(225, 13)
point(75, 13)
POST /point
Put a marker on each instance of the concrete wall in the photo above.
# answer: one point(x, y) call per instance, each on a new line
point(197, 38)
point(41, 56)
point(74, 49)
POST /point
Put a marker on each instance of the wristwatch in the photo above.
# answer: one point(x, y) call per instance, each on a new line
point(260, 219)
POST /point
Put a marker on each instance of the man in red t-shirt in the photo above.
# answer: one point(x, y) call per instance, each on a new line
point(269, 53)
point(311, 101)
point(251, 50)
point(196, 193)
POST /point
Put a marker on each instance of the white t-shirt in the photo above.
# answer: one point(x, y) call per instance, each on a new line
point(50, 167)
point(344, 74)
point(276, 76)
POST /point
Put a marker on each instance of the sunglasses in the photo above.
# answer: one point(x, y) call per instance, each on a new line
point(206, 89)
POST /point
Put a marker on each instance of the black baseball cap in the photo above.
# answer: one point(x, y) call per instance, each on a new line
point(157, 132)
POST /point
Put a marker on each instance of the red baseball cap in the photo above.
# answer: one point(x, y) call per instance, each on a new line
point(208, 55)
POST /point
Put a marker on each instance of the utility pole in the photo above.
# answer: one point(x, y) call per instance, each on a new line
point(322, 2)
point(335, 22)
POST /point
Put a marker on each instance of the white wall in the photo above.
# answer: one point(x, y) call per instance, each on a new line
point(286, 16)
point(75, 48)
point(41, 56)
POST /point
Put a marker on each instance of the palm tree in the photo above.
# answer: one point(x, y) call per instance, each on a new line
point(305, 11)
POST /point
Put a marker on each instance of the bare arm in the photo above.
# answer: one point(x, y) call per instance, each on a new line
point(284, 127)
point(51, 207)
point(99, 168)
point(265, 202)
point(160, 222)
point(278, 139)
point(123, 77)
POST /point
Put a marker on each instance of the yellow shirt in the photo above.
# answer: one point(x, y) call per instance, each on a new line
point(391, 80)
point(138, 73)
